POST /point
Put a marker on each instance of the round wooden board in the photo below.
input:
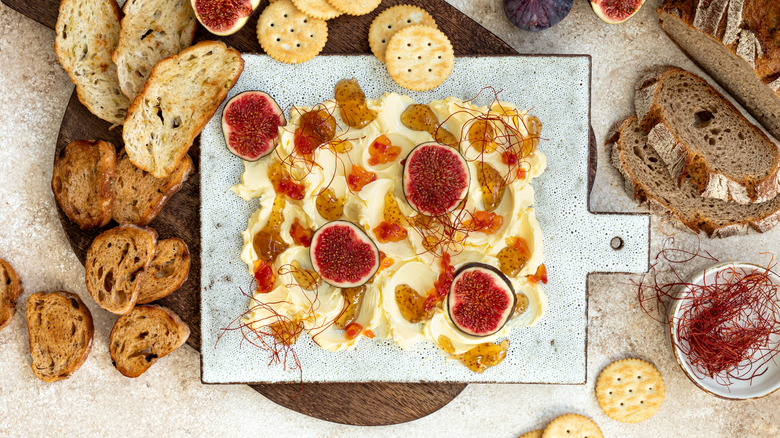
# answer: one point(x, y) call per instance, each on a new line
point(362, 404)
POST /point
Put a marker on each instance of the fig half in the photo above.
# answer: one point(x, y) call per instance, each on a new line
point(616, 11)
point(343, 254)
point(481, 299)
point(223, 17)
point(250, 124)
point(436, 178)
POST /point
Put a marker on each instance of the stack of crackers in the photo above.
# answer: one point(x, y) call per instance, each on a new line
point(418, 55)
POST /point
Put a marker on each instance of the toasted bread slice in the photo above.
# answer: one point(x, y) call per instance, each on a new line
point(10, 289)
point(87, 34)
point(60, 333)
point(81, 182)
point(700, 134)
point(138, 196)
point(116, 265)
point(179, 98)
point(168, 271)
point(647, 179)
point(144, 335)
point(151, 31)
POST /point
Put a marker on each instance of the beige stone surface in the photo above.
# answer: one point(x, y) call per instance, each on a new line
point(170, 401)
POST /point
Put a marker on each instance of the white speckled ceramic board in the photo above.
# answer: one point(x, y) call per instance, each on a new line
point(576, 242)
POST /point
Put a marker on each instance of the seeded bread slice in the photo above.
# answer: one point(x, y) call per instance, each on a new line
point(10, 289)
point(116, 266)
point(138, 196)
point(151, 31)
point(87, 34)
point(144, 335)
point(647, 179)
point(737, 42)
point(179, 98)
point(168, 271)
point(60, 332)
point(81, 182)
point(700, 134)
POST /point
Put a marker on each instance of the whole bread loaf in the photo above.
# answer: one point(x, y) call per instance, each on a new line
point(60, 332)
point(87, 34)
point(737, 42)
point(10, 289)
point(179, 98)
point(81, 181)
point(700, 134)
point(647, 180)
point(151, 31)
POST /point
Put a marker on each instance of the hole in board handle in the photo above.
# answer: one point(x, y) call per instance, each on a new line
point(617, 243)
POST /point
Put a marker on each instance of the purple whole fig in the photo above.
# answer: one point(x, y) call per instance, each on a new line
point(536, 15)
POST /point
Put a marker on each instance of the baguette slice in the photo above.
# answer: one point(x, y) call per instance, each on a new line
point(144, 335)
point(87, 34)
point(647, 179)
point(168, 271)
point(151, 31)
point(116, 266)
point(10, 289)
point(179, 98)
point(60, 332)
point(138, 196)
point(699, 133)
point(737, 42)
point(81, 182)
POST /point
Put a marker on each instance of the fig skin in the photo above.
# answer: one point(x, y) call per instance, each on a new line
point(616, 11)
point(536, 15)
point(503, 278)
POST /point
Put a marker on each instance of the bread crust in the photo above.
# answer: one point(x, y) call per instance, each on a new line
point(135, 345)
point(56, 334)
point(96, 162)
point(135, 120)
point(10, 289)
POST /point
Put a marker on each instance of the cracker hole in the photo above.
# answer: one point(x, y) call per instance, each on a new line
point(409, 70)
point(278, 39)
point(621, 404)
point(429, 70)
point(285, 15)
point(439, 55)
point(298, 45)
point(429, 44)
point(408, 44)
point(292, 30)
point(617, 243)
point(389, 26)
point(305, 20)
point(641, 402)
point(272, 25)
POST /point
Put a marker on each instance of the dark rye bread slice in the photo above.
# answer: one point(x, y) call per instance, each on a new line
point(647, 179)
point(116, 265)
point(60, 331)
point(81, 182)
point(139, 196)
point(737, 42)
point(167, 272)
point(700, 134)
point(144, 335)
point(10, 289)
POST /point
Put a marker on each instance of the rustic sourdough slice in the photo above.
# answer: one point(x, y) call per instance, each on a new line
point(10, 289)
point(60, 332)
point(699, 133)
point(87, 34)
point(647, 179)
point(138, 196)
point(737, 42)
point(151, 31)
point(81, 182)
point(167, 272)
point(144, 335)
point(179, 98)
point(116, 266)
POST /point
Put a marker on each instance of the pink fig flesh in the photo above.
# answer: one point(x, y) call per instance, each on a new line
point(436, 178)
point(223, 17)
point(343, 254)
point(616, 11)
point(481, 299)
point(250, 124)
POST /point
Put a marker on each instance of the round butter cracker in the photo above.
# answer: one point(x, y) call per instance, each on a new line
point(533, 434)
point(572, 426)
point(317, 9)
point(288, 35)
point(630, 390)
point(390, 21)
point(355, 7)
point(419, 57)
